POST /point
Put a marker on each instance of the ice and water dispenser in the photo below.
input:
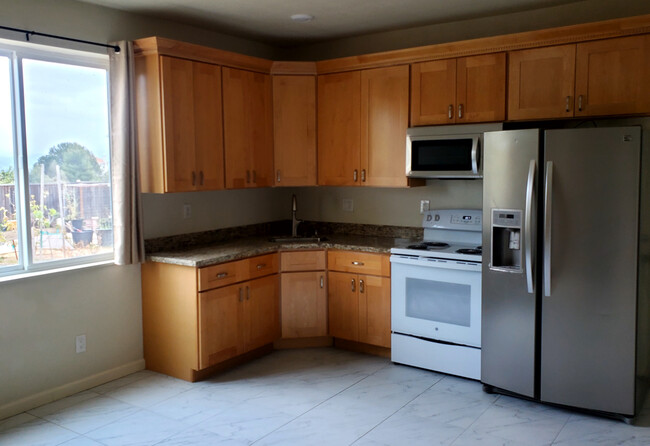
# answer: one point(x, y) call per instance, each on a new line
point(506, 240)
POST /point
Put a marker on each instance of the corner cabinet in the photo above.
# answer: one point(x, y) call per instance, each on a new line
point(455, 91)
point(248, 129)
point(198, 318)
point(178, 109)
point(600, 78)
point(359, 297)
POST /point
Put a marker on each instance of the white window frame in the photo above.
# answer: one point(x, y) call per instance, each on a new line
point(17, 51)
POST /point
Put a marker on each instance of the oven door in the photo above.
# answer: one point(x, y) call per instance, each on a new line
point(436, 299)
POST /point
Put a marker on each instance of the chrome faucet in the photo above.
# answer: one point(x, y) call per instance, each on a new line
point(294, 221)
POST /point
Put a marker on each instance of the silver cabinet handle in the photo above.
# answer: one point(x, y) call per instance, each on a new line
point(322, 282)
point(355, 263)
point(568, 104)
point(201, 178)
point(355, 175)
point(353, 287)
point(460, 111)
point(254, 176)
point(580, 103)
point(260, 266)
point(193, 178)
point(450, 111)
point(241, 294)
point(361, 289)
point(222, 275)
point(363, 175)
point(248, 176)
point(548, 207)
point(278, 176)
point(248, 293)
point(475, 155)
point(528, 232)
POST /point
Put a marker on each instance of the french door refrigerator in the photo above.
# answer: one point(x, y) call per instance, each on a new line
point(561, 267)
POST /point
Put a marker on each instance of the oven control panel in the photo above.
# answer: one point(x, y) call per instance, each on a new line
point(463, 219)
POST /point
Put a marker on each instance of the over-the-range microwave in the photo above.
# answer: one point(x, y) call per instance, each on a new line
point(449, 151)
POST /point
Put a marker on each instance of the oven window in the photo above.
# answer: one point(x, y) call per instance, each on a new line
point(445, 302)
point(443, 155)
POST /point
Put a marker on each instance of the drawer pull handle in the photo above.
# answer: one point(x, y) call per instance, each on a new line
point(193, 178)
point(222, 275)
point(355, 175)
point(352, 285)
point(580, 103)
point(248, 293)
point(355, 263)
point(361, 289)
point(363, 175)
point(322, 282)
point(460, 111)
point(278, 177)
point(567, 102)
point(201, 178)
point(450, 112)
point(241, 294)
point(260, 266)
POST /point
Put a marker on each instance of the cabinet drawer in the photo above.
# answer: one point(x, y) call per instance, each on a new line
point(222, 274)
point(302, 261)
point(262, 265)
point(359, 262)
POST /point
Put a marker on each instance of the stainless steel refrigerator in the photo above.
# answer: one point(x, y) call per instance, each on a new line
point(560, 282)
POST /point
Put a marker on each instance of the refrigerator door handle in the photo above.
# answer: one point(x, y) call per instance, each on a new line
point(548, 205)
point(475, 155)
point(528, 234)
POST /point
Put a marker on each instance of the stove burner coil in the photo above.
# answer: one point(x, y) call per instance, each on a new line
point(469, 251)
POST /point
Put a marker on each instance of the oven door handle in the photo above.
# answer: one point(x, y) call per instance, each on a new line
point(528, 227)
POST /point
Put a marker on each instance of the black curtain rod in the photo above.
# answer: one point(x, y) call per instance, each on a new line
point(69, 39)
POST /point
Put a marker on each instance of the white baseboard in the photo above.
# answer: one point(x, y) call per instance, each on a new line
point(47, 396)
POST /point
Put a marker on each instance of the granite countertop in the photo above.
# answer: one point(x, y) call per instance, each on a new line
point(253, 246)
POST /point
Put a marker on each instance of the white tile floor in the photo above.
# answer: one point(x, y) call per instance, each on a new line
point(308, 397)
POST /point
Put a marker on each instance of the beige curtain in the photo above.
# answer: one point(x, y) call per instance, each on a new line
point(128, 238)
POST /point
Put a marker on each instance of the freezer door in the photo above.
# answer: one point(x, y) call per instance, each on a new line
point(508, 310)
point(590, 268)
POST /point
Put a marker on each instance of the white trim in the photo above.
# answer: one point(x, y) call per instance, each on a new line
point(31, 274)
point(47, 396)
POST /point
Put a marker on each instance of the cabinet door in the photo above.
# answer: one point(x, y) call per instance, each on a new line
point(247, 128)
point(384, 120)
point(612, 76)
point(177, 84)
point(343, 304)
point(220, 324)
point(304, 304)
point(541, 83)
point(294, 122)
point(433, 95)
point(262, 312)
point(208, 127)
point(339, 110)
point(481, 88)
point(374, 310)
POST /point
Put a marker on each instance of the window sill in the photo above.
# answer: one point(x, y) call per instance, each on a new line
point(31, 274)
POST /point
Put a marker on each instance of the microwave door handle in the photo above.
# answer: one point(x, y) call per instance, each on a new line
point(475, 155)
point(548, 207)
point(528, 226)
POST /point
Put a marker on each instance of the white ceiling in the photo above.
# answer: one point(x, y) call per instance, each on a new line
point(268, 20)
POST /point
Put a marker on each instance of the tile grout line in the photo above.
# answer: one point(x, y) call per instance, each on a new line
point(403, 406)
point(475, 420)
point(561, 429)
point(319, 404)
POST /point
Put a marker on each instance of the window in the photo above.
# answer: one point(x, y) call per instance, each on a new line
point(55, 192)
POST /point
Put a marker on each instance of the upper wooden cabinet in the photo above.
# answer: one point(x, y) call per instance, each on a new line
point(178, 106)
point(599, 78)
point(463, 90)
point(248, 130)
point(339, 128)
point(362, 122)
point(294, 129)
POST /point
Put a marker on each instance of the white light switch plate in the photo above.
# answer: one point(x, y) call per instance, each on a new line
point(424, 206)
point(187, 210)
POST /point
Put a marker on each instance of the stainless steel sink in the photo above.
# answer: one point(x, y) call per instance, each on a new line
point(289, 239)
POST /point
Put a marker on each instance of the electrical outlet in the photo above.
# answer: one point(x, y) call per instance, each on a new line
point(424, 206)
point(187, 211)
point(347, 204)
point(80, 343)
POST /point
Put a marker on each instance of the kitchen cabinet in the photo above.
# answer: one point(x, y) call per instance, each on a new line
point(599, 78)
point(178, 107)
point(362, 120)
point(304, 294)
point(359, 297)
point(294, 129)
point(196, 318)
point(248, 129)
point(464, 90)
